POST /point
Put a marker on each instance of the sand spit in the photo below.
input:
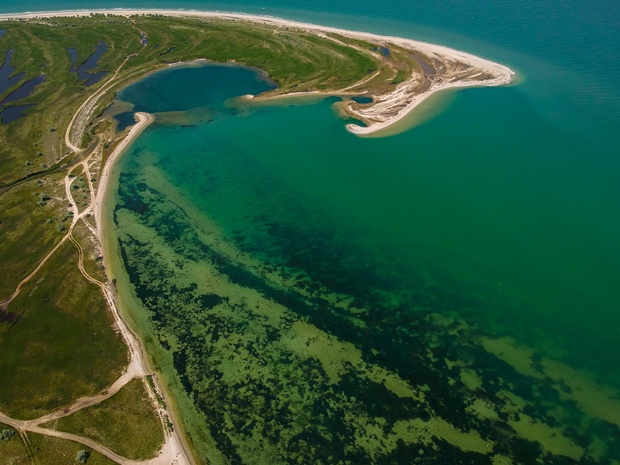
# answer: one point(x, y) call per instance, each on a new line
point(453, 68)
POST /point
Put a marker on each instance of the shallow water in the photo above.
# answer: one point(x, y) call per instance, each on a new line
point(334, 298)
point(433, 295)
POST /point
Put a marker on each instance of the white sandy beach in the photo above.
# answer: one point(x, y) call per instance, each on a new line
point(144, 120)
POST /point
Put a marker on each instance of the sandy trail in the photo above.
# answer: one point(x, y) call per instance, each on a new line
point(23, 426)
point(174, 450)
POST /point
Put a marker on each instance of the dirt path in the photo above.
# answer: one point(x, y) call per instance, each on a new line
point(23, 426)
point(174, 450)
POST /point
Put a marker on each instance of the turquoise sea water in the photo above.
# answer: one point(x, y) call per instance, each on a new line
point(327, 297)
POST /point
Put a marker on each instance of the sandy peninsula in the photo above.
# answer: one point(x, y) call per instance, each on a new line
point(449, 68)
point(143, 121)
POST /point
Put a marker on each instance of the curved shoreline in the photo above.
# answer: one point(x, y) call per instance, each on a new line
point(386, 109)
point(175, 447)
point(143, 121)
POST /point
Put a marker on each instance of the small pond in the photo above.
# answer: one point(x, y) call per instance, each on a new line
point(6, 80)
point(10, 114)
point(84, 71)
point(25, 90)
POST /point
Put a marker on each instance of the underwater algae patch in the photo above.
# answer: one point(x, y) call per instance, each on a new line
point(283, 369)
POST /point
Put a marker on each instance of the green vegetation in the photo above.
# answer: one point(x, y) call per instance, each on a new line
point(400, 77)
point(44, 450)
point(28, 227)
point(82, 456)
point(126, 423)
point(59, 343)
point(12, 449)
point(6, 434)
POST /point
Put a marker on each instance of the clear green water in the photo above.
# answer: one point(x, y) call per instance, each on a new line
point(329, 299)
point(443, 295)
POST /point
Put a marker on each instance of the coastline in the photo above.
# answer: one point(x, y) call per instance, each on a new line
point(491, 184)
point(175, 443)
point(175, 448)
point(387, 109)
point(143, 121)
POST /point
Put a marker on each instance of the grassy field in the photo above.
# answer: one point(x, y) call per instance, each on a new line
point(43, 450)
point(126, 423)
point(60, 344)
point(56, 338)
point(32, 221)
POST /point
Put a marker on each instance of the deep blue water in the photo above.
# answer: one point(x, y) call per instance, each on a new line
point(24, 90)
point(6, 70)
point(13, 113)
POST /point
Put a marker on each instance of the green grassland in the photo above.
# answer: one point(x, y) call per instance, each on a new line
point(296, 60)
point(125, 423)
point(56, 338)
point(30, 227)
point(59, 344)
point(12, 449)
point(43, 450)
